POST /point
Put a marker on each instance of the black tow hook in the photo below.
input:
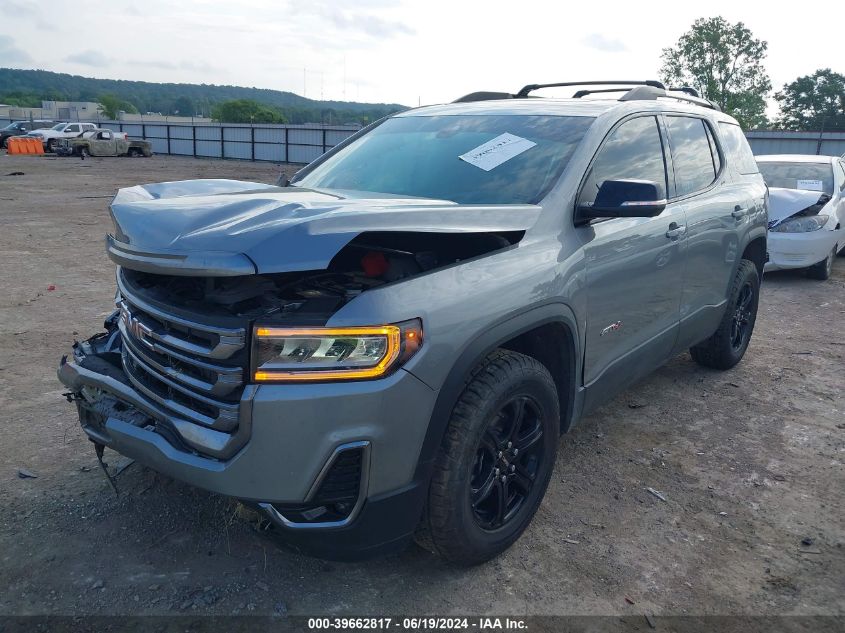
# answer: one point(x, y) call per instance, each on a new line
point(99, 449)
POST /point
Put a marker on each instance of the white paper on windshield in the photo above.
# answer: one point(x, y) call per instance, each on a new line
point(810, 185)
point(497, 151)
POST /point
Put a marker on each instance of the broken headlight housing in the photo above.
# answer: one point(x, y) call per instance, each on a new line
point(308, 354)
point(801, 224)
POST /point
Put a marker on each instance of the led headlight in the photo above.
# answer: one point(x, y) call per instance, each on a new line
point(297, 354)
point(802, 224)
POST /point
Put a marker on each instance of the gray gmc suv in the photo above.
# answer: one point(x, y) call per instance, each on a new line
point(390, 345)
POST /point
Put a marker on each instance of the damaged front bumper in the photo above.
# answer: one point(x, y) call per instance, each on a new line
point(295, 435)
point(799, 250)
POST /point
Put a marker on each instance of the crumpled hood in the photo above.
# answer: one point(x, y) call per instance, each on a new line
point(784, 203)
point(195, 225)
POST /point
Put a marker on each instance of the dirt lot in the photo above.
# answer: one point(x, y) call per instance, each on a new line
point(749, 461)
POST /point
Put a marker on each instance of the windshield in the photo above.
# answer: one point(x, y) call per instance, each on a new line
point(809, 176)
point(58, 126)
point(452, 158)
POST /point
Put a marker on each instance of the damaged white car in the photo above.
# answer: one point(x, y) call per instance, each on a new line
point(806, 211)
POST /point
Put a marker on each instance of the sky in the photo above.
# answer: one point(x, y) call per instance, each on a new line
point(394, 51)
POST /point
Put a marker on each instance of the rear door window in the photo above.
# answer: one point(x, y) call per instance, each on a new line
point(634, 150)
point(737, 149)
point(692, 156)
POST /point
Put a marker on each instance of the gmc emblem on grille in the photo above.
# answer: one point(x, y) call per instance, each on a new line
point(133, 325)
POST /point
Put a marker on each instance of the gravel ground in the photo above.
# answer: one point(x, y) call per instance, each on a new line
point(749, 463)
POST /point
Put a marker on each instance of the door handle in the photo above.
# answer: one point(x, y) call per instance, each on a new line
point(738, 212)
point(675, 230)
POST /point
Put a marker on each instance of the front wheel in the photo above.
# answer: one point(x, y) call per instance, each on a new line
point(727, 346)
point(51, 145)
point(822, 270)
point(494, 464)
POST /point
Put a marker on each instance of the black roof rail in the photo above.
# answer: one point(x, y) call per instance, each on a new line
point(649, 93)
point(648, 90)
point(584, 93)
point(688, 89)
point(525, 90)
point(483, 96)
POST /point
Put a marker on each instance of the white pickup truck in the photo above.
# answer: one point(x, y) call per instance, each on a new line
point(49, 136)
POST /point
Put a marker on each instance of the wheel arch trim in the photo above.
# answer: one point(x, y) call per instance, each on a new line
point(492, 337)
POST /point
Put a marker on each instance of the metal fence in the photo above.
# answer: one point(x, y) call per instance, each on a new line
point(303, 143)
point(781, 142)
point(276, 143)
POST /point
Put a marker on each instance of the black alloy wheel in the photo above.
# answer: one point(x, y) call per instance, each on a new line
point(743, 311)
point(507, 461)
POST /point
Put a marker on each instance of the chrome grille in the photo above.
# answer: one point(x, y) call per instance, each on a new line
point(192, 371)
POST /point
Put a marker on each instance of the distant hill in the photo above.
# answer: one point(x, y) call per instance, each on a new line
point(29, 87)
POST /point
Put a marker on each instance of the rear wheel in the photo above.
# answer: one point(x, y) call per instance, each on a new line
point(727, 346)
point(495, 462)
point(822, 270)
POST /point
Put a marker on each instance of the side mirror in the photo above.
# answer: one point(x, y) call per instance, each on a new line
point(625, 199)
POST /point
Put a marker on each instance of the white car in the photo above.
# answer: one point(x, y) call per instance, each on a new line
point(806, 211)
point(49, 136)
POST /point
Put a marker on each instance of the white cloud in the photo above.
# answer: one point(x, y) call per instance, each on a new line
point(89, 57)
point(604, 44)
point(401, 51)
point(11, 54)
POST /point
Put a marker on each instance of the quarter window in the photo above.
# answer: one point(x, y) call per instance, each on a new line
point(632, 151)
point(692, 157)
point(737, 148)
point(714, 149)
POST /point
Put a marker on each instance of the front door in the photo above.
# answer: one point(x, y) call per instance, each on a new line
point(102, 144)
point(634, 267)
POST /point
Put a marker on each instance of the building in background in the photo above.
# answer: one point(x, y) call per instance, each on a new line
point(69, 110)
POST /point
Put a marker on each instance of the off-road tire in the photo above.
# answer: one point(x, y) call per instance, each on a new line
point(822, 270)
point(449, 526)
point(719, 351)
point(51, 145)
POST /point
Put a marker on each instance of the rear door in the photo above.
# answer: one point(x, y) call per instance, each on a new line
point(714, 207)
point(634, 266)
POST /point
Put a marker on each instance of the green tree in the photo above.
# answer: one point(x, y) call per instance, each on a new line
point(724, 62)
point(246, 111)
point(183, 106)
point(813, 102)
point(111, 106)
